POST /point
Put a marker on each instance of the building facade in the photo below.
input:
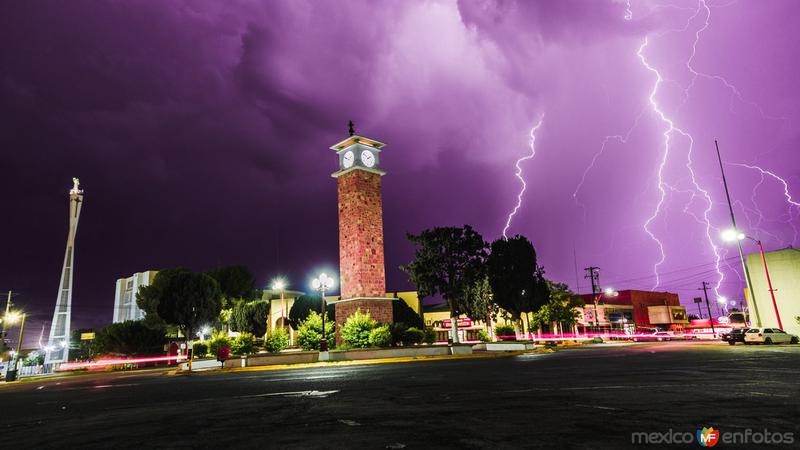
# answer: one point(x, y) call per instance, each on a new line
point(125, 307)
point(631, 309)
point(784, 271)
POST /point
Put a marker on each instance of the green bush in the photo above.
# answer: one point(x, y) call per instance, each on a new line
point(398, 330)
point(310, 331)
point(218, 340)
point(430, 336)
point(483, 336)
point(505, 332)
point(277, 340)
point(243, 344)
point(200, 349)
point(380, 336)
point(357, 328)
point(413, 336)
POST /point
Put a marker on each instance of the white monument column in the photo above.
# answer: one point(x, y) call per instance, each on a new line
point(58, 343)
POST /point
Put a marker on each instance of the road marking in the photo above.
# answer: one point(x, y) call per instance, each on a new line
point(348, 422)
point(597, 407)
point(292, 394)
point(764, 394)
point(40, 387)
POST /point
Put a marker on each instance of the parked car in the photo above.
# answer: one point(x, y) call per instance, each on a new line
point(657, 336)
point(769, 336)
point(734, 336)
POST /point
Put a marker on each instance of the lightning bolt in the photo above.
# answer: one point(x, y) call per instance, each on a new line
point(519, 174)
point(791, 202)
point(622, 139)
point(670, 130)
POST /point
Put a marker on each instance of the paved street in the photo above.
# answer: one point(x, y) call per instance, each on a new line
point(574, 398)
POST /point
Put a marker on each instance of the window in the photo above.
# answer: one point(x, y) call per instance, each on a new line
point(753, 330)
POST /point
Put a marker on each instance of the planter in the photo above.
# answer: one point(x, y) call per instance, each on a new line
point(281, 358)
point(378, 353)
point(509, 346)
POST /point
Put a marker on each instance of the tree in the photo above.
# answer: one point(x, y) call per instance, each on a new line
point(562, 307)
point(132, 337)
point(235, 283)
point(303, 306)
point(80, 349)
point(182, 298)
point(250, 317)
point(517, 282)
point(447, 261)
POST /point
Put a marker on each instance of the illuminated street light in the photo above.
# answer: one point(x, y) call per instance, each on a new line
point(611, 292)
point(278, 284)
point(731, 235)
point(321, 284)
point(13, 317)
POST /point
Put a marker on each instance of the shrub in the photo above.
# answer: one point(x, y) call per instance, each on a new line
point(430, 336)
point(310, 331)
point(413, 336)
point(218, 339)
point(398, 330)
point(243, 344)
point(483, 336)
point(380, 336)
point(277, 340)
point(357, 328)
point(505, 332)
point(200, 349)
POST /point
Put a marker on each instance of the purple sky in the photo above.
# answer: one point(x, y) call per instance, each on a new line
point(200, 131)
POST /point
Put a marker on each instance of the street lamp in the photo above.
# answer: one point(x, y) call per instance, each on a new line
point(321, 284)
point(13, 317)
point(732, 235)
point(278, 284)
point(608, 292)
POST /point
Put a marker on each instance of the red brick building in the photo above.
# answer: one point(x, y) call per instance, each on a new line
point(361, 260)
point(645, 309)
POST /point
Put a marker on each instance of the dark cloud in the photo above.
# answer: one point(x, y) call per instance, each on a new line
point(200, 131)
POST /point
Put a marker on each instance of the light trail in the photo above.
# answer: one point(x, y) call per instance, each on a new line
point(519, 175)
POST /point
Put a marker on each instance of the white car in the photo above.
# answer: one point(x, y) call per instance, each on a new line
point(768, 336)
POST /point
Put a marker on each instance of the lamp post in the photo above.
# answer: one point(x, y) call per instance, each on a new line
point(279, 284)
point(608, 292)
point(321, 284)
point(735, 235)
point(13, 317)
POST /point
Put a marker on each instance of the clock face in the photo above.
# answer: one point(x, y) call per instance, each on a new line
point(348, 159)
point(368, 158)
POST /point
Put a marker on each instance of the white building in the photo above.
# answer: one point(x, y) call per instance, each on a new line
point(784, 272)
point(125, 307)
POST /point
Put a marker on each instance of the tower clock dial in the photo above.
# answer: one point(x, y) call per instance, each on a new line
point(348, 159)
point(368, 158)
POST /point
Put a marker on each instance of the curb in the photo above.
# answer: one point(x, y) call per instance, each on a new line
point(362, 362)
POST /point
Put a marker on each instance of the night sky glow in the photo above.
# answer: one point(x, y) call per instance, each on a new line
point(200, 132)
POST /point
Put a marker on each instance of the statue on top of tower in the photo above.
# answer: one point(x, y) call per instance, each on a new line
point(75, 186)
point(351, 130)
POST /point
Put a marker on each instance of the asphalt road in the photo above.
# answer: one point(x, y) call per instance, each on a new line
point(592, 397)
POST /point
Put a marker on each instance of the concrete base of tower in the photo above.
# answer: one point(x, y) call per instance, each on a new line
point(380, 309)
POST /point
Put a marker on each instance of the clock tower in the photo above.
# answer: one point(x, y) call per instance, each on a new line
point(361, 266)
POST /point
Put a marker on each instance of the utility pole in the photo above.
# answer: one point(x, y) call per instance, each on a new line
point(3, 333)
point(593, 274)
point(738, 242)
point(710, 316)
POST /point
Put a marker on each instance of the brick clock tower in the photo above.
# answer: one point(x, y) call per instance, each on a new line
point(361, 267)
